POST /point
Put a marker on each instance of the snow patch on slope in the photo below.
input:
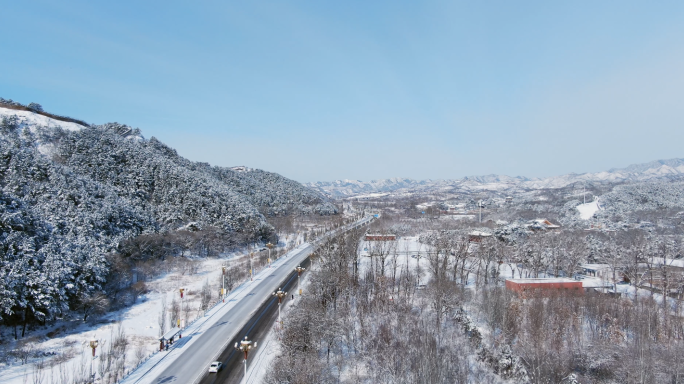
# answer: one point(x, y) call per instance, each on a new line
point(32, 119)
point(587, 210)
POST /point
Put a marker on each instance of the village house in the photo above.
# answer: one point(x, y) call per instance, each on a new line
point(380, 237)
point(602, 271)
point(477, 236)
point(542, 224)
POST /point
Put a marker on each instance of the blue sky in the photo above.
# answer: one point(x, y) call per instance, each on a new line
point(319, 90)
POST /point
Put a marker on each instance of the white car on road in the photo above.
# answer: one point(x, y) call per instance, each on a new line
point(215, 367)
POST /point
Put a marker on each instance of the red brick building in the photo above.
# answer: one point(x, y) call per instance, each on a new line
point(555, 284)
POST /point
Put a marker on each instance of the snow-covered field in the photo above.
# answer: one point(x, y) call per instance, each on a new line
point(402, 252)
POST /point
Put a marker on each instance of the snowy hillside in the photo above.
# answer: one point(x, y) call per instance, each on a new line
point(72, 193)
point(639, 172)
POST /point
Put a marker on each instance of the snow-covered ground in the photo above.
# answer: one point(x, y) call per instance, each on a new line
point(628, 291)
point(139, 322)
point(405, 250)
point(587, 210)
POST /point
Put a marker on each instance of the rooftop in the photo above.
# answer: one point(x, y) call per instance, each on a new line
point(595, 267)
point(544, 280)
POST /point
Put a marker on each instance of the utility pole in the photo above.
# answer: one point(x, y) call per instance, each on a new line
point(245, 346)
point(299, 270)
point(279, 294)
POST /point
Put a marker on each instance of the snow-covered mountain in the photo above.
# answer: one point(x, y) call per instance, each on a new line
point(144, 171)
point(638, 172)
point(71, 193)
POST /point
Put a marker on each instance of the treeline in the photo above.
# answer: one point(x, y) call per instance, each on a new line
point(590, 338)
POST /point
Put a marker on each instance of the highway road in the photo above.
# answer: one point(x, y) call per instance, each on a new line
point(195, 356)
point(256, 328)
point(249, 310)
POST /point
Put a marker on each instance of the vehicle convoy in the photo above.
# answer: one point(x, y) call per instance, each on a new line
point(215, 367)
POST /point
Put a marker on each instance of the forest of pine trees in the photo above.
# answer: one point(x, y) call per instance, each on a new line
point(77, 205)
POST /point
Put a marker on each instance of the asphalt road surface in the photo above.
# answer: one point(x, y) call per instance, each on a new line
point(257, 328)
point(194, 362)
point(252, 315)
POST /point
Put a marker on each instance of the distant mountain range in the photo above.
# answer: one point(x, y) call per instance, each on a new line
point(636, 172)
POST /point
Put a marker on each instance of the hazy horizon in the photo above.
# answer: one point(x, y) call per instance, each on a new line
point(322, 92)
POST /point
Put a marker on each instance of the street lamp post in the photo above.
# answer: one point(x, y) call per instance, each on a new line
point(180, 322)
point(93, 345)
point(251, 270)
point(480, 211)
point(279, 294)
point(245, 346)
point(299, 270)
point(223, 280)
point(269, 246)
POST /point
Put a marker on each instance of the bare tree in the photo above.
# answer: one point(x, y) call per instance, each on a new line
point(635, 264)
point(459, 249)
point(39, 372)
point(379, 251)
point(615, 256)
point(205, 295)
point(175, 311)
point(574, 253)
point(163, 316)
point(93, 303)
point(489, 252)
